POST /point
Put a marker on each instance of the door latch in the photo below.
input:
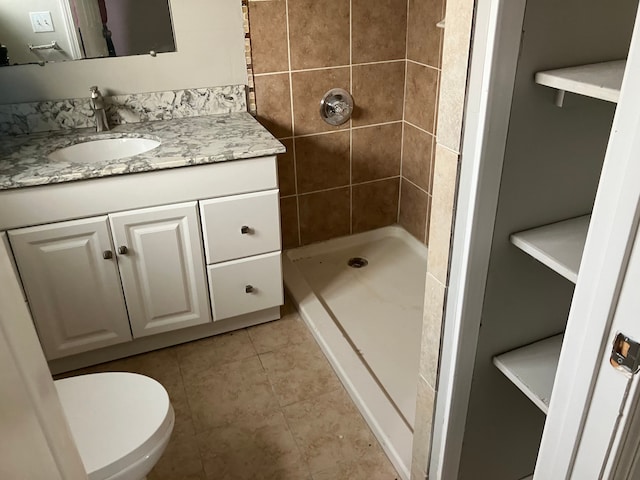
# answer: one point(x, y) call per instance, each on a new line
point(625, 354)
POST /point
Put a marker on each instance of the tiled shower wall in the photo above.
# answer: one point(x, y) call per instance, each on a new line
point(424, 47)
point(340, 180)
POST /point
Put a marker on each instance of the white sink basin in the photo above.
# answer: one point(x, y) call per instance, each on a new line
point(95, 151)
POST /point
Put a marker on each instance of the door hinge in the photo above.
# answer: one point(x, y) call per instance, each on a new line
point(625, 354)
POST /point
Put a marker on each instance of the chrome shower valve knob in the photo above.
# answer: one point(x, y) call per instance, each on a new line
point(336, 106)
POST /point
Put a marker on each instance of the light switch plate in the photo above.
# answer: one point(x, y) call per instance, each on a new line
point(41, 22)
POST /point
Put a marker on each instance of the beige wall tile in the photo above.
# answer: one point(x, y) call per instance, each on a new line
point(434, 300)
point(423, 37)
point(268, 25)
point(444, 190)
point(416, 156)
point(319, 33)
point(322, 161)
point(286, 170)
point(379, 30)
point(422, 428)
point(377, 92)
point(375, 204)
point(324, 215)
point(289, 222)
point(414, 210)
point(273, 101)
point(421, 96)
point(308, 90)
point(455, 59)
point(376, 152)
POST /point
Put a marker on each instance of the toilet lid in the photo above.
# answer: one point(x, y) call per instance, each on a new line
point(115, 417)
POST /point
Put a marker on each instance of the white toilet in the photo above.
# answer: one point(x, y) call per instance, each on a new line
point(121, 422)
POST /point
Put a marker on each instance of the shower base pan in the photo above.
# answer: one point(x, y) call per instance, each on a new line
point(362, 297)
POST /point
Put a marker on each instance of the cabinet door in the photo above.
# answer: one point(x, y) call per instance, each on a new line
point(73, 291)
point(162, 267)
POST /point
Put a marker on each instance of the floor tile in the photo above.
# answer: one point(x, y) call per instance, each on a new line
point(180, 461)
point(236, 390)
point(299, 372)
point(201, 355)
point(289, 330)
point(329, 429)
point(248, 450)
point(373, 465)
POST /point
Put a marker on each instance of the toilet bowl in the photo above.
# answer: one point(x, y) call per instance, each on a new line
point(121, 422)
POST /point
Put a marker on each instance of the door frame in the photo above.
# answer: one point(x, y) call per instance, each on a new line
point(497, 30)
point(495, 47)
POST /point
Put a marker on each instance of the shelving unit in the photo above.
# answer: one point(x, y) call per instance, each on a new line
point(533, 369)
point(597, 80)
point(559, 246)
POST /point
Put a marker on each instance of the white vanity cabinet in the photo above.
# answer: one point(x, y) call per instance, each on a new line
point(242, 246)
point(161, 264)
point(149, 257)
point(72, 284)
point(75, 274)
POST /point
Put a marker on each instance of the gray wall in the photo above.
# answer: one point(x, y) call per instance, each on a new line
point(210, 52)
point(551, 170)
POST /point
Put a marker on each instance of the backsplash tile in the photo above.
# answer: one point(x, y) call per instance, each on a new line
point(25, 118)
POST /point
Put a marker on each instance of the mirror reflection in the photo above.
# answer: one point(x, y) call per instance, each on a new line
point(40, 31)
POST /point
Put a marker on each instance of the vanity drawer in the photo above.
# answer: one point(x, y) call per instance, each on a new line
point(245, 285)
point(240, 225)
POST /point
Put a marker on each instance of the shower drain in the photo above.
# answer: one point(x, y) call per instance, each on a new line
point(357, 262)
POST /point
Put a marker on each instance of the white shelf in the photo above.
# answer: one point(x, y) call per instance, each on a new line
point(533, 369)
point(559, 246)
point(597, 80)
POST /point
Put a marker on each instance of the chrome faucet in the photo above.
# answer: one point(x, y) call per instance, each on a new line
point(97, 105)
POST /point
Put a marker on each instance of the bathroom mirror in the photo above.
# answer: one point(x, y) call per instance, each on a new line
point(40, 31)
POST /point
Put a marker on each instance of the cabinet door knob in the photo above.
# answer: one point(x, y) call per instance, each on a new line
point(249, 289)
point(245, 230)
point(107, 254)
point(122, 250)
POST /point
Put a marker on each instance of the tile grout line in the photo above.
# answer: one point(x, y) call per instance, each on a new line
point(350, 119)
point(420, 128)
point(366, 182)
point(415, 62)
point(404, 103)
point(293, 122)
point(314, 69)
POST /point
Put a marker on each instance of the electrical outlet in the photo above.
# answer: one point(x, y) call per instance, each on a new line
point(41, 22)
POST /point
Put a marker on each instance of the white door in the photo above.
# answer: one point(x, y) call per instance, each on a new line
point(161, 264)
point(73, 291)
point(589, 414)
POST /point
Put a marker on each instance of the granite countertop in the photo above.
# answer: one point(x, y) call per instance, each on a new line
point(24, 159)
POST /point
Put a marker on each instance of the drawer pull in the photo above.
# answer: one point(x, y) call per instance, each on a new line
point(249, 289)
point(123, 250)
point(246, 230)
point(107, 254)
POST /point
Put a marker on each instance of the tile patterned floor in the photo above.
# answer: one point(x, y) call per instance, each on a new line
point(260, 403)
